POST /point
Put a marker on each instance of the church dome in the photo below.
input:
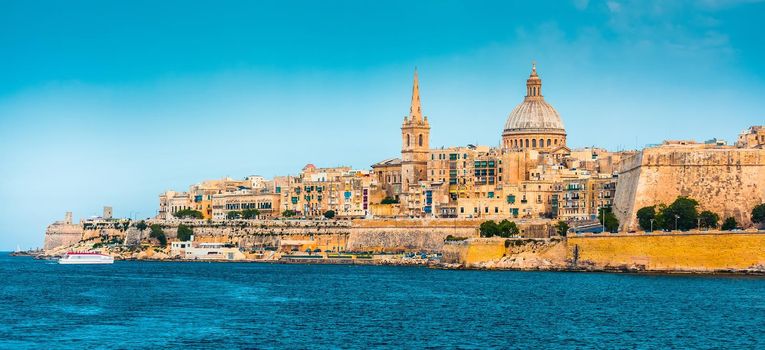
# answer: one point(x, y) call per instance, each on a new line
point(534, 114)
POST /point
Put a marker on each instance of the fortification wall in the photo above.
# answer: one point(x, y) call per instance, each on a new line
point(473, 251)
point(60, 235)
point(699, 252)
point(727, 181)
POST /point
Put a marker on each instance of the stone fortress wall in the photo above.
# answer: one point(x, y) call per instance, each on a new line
point(384, 235)
point(728, 181)
point(705, 251)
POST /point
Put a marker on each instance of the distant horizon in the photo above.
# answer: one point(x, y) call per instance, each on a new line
point(112, 104)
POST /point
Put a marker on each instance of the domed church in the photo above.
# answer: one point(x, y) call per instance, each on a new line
point(534, 124)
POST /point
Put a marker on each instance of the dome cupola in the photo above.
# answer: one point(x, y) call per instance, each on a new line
point(534, 123)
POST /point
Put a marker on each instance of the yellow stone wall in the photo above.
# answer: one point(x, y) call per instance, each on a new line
point(706, 251)
point(728, 181)
point(474, 251)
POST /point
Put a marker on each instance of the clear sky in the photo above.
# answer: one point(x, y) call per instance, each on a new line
point(113, 102)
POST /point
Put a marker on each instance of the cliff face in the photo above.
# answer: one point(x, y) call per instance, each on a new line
point(727, 181)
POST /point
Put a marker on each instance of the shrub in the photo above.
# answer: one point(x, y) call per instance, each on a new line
point(489, 228)
point(455, 239)
point(289, 213)
point(184, 232)
point(250, 214)
point(233, 215)
point(645, 215)
point(158, 234)
point(188, 214)
point(709, 219)
point(389, 200)
point(758, 214)
point(562, 228)
point(141, 225)
point(608, 219)
point(507, 229)
point(729, 224)
point(682, 211)
point(329, 214)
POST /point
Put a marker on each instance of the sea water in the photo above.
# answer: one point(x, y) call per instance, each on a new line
point(135, 304)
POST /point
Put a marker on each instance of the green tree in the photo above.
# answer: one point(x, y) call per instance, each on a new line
point(158, 234)
point(645, 215)
point(758, 214)
point(233, 215)
point(683, 211)
point(184, 232)
point(389, 200)
point(188, 214)
point(729, 224)
point(608, 219)
point(141, 225)
point(507, 229)
point(250, 214)
point(562, 228)
point(709, 219)
point(329, 214)
point(289, 213)
point(489, 229)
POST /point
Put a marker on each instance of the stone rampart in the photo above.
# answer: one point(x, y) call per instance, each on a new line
point(728, 181)
point(61, 235)
point(693, 252)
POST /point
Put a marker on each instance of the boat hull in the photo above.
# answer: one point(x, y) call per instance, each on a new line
point(85, 259)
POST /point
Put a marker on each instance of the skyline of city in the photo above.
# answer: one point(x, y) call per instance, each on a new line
point(80, 139)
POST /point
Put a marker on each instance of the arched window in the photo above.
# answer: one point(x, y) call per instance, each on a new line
point(534, 143)
point(549, 142)
point(541, 143)
point(556, 141)
point(407, 140)
point(420, 141)
point(527, 143)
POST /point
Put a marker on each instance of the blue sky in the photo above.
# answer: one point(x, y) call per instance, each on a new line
point(111, 103)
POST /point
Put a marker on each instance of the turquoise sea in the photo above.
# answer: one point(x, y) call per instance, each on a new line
point(132, 305)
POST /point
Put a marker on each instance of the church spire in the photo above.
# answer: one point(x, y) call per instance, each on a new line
point(415, 112)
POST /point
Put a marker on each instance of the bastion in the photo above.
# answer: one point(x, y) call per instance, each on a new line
point(726, 180)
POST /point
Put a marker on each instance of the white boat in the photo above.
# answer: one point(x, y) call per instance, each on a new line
point(86, 258)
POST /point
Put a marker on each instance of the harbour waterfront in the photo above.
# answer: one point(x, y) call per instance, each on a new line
point(143, 304)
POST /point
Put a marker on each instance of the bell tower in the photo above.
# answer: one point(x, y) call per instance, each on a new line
point(415, 142)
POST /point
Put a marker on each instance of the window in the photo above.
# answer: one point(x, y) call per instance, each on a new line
point(549, 142)
point(407, 140)
point(527, 143)
point(420, 140)
point(534, 143)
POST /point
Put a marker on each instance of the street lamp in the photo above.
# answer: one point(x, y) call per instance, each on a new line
point(698, 224)
point(676, 217)
point(652, 225)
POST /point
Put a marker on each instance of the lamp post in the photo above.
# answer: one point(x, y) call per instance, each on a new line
point(652, 225)
point(676, 217)
point(698, 224)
